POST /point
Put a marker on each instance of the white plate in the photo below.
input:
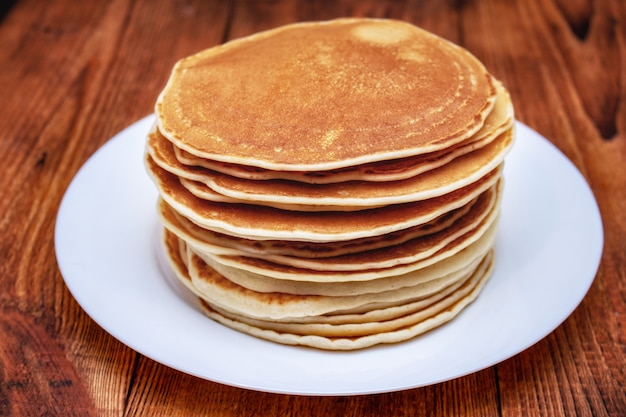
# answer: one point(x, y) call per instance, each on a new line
point(548, 251)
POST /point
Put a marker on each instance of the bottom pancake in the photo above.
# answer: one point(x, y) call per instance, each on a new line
point(343, 330)
point(429, 319)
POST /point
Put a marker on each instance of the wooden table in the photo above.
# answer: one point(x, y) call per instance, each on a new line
point(74, 73)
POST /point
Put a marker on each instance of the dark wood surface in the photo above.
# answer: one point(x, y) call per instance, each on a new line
point(74, 73)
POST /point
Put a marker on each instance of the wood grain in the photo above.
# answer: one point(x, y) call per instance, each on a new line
point(74, 73)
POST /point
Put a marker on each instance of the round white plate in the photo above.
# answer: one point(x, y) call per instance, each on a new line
point(548, 251)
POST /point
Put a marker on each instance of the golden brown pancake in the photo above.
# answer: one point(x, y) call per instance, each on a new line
point(351, 195)
point(482, 237)
point(353, 338)
point(346, 330)
point(325, 95)
point(378, 319)
point(462, 233)
point(284, 306)
point(449, 270)
point(499, 120)
point(218, 290)
point(356, 194)
point(209, 241)
point(268, 223)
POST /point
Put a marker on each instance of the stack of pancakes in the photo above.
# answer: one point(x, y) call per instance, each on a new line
point(331, 184)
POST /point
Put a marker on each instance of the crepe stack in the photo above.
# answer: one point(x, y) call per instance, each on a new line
point(332, 184)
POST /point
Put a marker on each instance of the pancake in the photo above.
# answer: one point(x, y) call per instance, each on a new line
point(209, 241)
point(484, 236)
point(353, 195)
point(376, 320)
point(424, 314)
point(423, 321)
point(324, 94)
point(461, 233)
point(267, 223)
point(282, 307)
point(499, 120)
point(449, 270)
point(212, 287)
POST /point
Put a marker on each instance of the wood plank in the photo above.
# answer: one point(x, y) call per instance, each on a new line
point(178, 395)
point(36, 376)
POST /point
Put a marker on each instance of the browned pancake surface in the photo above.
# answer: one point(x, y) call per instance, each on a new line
point(259, 222)
point(325, 95)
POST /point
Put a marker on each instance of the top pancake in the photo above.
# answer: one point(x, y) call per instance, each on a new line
point(500, 119)
point(325, 95)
